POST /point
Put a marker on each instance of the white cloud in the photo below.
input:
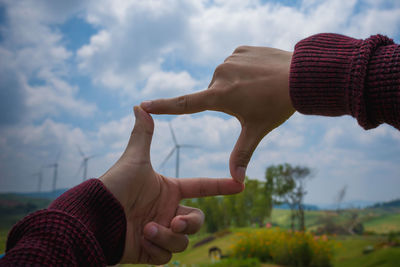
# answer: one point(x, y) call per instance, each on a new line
point(137, 36)
point(131, 54)
point(115, 133)
point(27, 147)
point(142, 32)
point(34, 53)
point(164, 84)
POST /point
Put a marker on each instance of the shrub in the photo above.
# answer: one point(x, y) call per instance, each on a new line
point(284, 247)
point(252, 262)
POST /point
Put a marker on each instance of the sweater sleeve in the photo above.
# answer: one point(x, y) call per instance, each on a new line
point(83, 227)
point(336, 75)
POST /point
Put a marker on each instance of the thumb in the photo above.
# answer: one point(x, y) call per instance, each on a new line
point(142, 133)
point(246, 144)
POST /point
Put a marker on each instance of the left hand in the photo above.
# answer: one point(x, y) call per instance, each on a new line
point(253, 85)
point(156, 223)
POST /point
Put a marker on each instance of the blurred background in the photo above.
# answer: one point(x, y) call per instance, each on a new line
point(71, 71)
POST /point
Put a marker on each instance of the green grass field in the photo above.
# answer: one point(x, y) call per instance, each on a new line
point(348, 254)
point(3, 240)
point(384, 223)
point(379, 221)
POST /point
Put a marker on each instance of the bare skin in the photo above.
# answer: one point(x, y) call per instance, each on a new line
point(253, 85)
point(157, 224)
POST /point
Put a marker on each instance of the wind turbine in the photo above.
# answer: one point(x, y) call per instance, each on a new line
point(84, 164)
point(55, 173)
point(176, 148)
point(39, 175)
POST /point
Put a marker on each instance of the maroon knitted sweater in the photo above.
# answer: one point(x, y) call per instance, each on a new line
point(336, 75)
point(330, 75)
point(85, 226)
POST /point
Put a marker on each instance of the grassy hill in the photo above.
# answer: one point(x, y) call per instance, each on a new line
point(388, 205)
point(379, 220)
point(13, 207)
point(348, 254)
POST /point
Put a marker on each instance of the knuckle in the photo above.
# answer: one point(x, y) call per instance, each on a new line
point(182, 102)
point(243, 157)
point(219, 69)
point(137, 130)
point(240, 49)
point(228, 59)
point(202, 189)
point(224, 68)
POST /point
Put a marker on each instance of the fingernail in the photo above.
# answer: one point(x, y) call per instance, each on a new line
point(151, 231)
point(181, 226)
point(146, 105)
point(135, 111)
point(241, 173)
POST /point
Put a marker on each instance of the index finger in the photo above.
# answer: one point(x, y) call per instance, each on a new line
point(203, 187)
point(191, 103)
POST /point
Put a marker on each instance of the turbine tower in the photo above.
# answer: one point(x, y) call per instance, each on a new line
point(176, 148)
point(39, 175)
point(55, 173)
point(84, 164)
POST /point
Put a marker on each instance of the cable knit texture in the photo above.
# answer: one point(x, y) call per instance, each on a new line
point(335, 75)
point(85, 226)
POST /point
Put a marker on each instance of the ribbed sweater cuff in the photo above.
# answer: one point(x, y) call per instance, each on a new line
point(95, 207)
point(52, 238)
point(328, 75)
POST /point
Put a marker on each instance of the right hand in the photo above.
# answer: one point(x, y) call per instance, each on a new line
point(253, 85)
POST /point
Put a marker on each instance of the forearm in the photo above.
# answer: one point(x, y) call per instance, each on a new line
point(335, 75)
point(83, 227)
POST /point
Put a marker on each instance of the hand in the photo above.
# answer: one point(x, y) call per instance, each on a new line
point(252, 85)
point(156, 224)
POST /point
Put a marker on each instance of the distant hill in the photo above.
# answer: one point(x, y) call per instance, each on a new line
point(14, 206)
point(389, 204)
point(306, 207)
point(354, 204)
point(44, 195)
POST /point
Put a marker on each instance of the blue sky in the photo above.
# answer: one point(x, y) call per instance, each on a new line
point(71, 71)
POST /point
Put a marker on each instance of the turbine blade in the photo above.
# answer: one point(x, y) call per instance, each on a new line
point(190, 146)
point(80, 151)
point(92, 156)
point(80, 168)
point(167, 157)
point(172, 133)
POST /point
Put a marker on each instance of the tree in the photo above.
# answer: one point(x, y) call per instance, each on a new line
point(286, 184)
point(299, 175)
point(278, 184)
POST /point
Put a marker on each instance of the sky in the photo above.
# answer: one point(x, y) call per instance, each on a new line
point(71, 72)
